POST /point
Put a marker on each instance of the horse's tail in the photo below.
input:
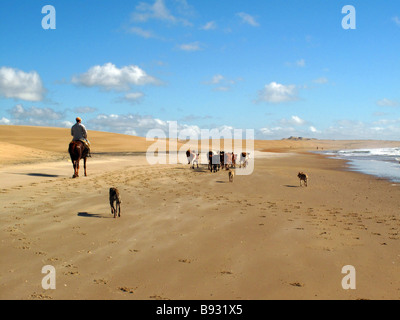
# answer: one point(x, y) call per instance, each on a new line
point(71, 148)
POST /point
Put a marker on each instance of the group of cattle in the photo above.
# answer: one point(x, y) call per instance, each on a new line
point(218, 160)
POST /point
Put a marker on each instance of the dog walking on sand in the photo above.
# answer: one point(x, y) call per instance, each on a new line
point(231, 175)
point(303, 177)
point(115, 198)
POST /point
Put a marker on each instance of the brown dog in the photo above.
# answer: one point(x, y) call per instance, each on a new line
point(115, 197)
point(303, 177)
point(231, 175)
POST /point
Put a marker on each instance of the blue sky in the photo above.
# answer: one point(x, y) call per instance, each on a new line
point(282, 68)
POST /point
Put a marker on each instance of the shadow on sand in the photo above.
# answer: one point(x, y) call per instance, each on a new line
point(201, 169)
point(44, 175)
point(92, 215)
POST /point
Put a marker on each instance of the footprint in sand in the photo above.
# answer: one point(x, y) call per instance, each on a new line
point(226, 272)
point(126, 289)
point(297, 284)
point(71, 272)
point(100, 281)
point(40, 296)
point(185, 260)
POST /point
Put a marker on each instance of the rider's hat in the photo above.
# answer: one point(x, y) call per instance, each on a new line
point(78, 119)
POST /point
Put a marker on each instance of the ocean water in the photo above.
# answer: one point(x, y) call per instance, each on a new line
point(381, 162)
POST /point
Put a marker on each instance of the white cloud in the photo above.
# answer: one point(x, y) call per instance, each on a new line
point(387, 103)
point(277, 132)
point(142, 33)
point(248, 19)
point(297, 120)
point(301, 63)
point(126, 124)
point(396, 20)
point(293, 121)
point(216, 79)
point(211, 25)
point(194, 46)
point(158, 11)
point(18, 84)
point(277, 93)
point(85, 109)
point(4, 121)
point(186, 131)
point(313, 129)
point(222, 88)
point(266, 131)
point(140, 125)
point(108, 76)
point(321, 80)
point(132, 97)
point(350, 129)
point(67, 124)
point(19, 112)
point(35, 116)
point(224, 84)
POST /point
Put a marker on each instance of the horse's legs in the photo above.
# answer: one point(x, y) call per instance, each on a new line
point(84, 165)
point(73, 165)
point(75, 171)
point(77, 167)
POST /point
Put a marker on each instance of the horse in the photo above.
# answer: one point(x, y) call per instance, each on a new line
point(77, 150)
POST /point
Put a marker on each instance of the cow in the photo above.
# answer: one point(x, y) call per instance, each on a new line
point(209, 158)
point(213, 160)
point(215, 163)
point(222, 158)
point(230, 160)
point(188, 152)
point(244, 157)
point(193, 158)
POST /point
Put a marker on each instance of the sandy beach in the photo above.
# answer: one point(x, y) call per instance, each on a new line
point(190, 234)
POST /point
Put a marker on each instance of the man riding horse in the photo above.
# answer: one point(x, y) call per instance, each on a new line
point(79, 133)
point(79, 148)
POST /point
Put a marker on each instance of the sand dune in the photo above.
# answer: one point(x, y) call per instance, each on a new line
point(57, 139)
point(190, 234)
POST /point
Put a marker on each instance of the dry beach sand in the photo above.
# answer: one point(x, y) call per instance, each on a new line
point(190, 234)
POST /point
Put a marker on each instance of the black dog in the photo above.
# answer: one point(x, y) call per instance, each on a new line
point(115, 197)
